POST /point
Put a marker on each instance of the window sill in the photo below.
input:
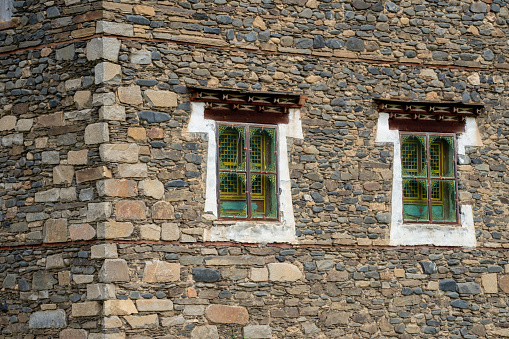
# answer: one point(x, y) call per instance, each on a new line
point(250, 231)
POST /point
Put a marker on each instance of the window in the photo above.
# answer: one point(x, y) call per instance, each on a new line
point(429, 178)
point(5, 10)
point(247, 176)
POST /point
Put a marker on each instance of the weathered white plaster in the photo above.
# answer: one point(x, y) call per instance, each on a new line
point(426, 234)
point(249, 231)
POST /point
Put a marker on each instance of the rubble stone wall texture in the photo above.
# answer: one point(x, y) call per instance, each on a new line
point(103, 189)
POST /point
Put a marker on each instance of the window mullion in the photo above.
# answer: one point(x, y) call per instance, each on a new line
point(429, 186)
point(248, 169)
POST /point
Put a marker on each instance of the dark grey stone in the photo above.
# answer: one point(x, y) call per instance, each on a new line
point(153, 117)
point(438, 55)
point(23, 285)
point(447, 285)
point(304, 43)
point(19, 227)
point(488, 55)
point(206, 274)
point(224, 19)
point(48, 319)
point(10, 281)
point(458, 303)
point(354, 44)
point(384, 218)
point(478, 7)
point(43, 281)
point(251, 36)
point(318, 42)
point(430, 329)
point(52, 12)
point(428, 267)
point(137, 19)
point(176, 183)
point(146, 82)
point(193, 158)
point(317, 197)
point(469, 288)
point(392, 7)
point(359, 4)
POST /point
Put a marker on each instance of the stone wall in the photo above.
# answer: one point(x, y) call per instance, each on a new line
point(102, 190)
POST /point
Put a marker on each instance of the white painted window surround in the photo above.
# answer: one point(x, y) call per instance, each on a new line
point(425, 234)
point(5, 10)
point(248, 231)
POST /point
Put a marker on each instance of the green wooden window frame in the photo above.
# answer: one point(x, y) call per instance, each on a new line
point(429, 178)
point(247, 171)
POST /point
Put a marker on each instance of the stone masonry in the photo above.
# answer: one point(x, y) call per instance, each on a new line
point(104, 233)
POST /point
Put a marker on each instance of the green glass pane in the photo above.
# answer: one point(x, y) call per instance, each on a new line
point(415, 203)
point(262, 149)
point(443, 200)
point(441, 151)
point(413, 155)
point(263, 196)
point(232, 153)
point(233, 202)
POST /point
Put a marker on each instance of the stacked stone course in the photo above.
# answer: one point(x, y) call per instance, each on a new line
point(102, 193)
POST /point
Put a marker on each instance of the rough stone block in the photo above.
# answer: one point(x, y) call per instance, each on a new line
point(469, 288)
point(50, 157)
point(113, 28)
point(86, 309)
point(257, 331)
point(68, 194)
point(170, 231)
point(64, 278)
point(48, 319)
point(42, 281)
point(114, 270)
point(63, 174)
point(55, 261)
point(259, 274)
point(105, 48)
point(144, 10)
point(223, 314)
point(55, 230)
point(72, 84)
point(119, 307)
point(284, 272)
point(66, 53)
point(103, 99)
point(141, 57)
point(83, 99)
point(114, 230)
point(489, 283)
point(130, 210)
point(7, 122)
point(97, 133)
point(137, 133)
point(154, 305)
point(100, 291)
point(9, 281)
point(77, 157)
point(117, 188)
point(161, 98)
point(98, 211)
point(108, 73)
point(207, 331)
point(133, 170)
point(93, 173)
point(50, 120)
point(130, 95)
point(150, 232)
point(112, 113)
point(102, 251)
point(152, 188)
point(119, 152)
point(160, 271)
point(73, 333)
point(24, 125)
point(142, 321)
point(112, 322)
point(81, 232)
point(50, 195)
point(83, 278)
point(194, 310)
point(163, 210)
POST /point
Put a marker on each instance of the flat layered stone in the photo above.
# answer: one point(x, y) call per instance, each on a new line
point(223, 314)
point(160, 271)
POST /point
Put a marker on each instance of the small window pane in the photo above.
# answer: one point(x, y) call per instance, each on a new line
point(441, 156)
point(232, 155)
point(443, 200)
point(413, 155)
point(263, 150)
point(415, 203)
point(233, 195)
point(263, 196)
